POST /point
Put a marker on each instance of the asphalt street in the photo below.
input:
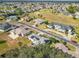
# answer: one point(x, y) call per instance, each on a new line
point(58, 37)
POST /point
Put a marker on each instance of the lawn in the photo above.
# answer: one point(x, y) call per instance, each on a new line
point(77, 31)
point(52, 17)
point(24, 40)
point(3, 46)
point(42, 26)
point(71, 47)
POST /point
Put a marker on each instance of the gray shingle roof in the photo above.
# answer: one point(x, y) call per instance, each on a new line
point(4, 26)
point(64, 27)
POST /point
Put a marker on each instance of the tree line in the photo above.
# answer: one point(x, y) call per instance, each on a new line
point(41, 51)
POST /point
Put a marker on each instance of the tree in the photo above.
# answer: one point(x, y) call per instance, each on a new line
point(53, 40)
point(41, 51)
point(62, 41)
point(46, 21)
point(12, 53)
point(72, 9)
point(18, 11)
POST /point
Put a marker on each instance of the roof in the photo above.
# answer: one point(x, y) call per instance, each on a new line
point(4, 26)
point(38, 21)
point(77, 13)
point(37, 39)
point(20, 30)
point(12, 17)
point(64, 27)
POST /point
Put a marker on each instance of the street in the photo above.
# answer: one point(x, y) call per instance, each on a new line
point(58, 37)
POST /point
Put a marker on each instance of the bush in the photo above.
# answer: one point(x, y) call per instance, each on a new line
point(53, 40)
point(2, 41)
point(18, 11)
point(72, 9)
point(46, 21)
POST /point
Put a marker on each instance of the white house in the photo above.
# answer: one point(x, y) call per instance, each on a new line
point(5, 27)
point(36, 39)
point(62, 28)
point(39, 21)
point(21, 31)
point(77, 15)
point(11, 18)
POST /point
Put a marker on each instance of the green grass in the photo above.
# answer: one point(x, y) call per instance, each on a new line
point(42, 26)
point(52, 17)
point(77, 32)
point(77, 29)
point(72, 48)
point(43, 11)
point(24, 41)
point(3, 48)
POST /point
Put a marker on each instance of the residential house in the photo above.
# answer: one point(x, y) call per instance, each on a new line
point(77, 15)
point(5, 27)
point(11, 18)
point(36, 39)
point(25, 18)
point(62, 28)
point(38, 21)
point(19, 32)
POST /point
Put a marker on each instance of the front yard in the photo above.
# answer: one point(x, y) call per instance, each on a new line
point(23, 41)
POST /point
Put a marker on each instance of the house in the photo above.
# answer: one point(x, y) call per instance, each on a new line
point(20, 31)
point(25, 18)
point(62, 28)
point(5, 27)
point(62, 47)
point(76, 15)
point(36, 39)
point(39, 21)
point(11, 18)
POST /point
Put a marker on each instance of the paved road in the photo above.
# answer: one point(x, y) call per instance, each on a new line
point(58, 37)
